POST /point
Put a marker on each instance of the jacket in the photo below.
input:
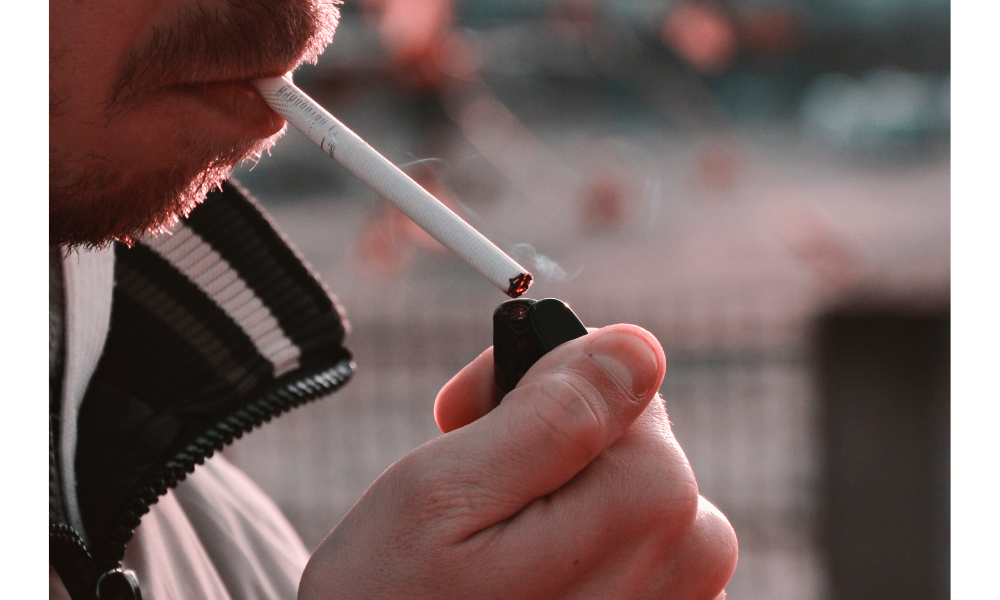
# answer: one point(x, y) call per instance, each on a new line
point(212, 331)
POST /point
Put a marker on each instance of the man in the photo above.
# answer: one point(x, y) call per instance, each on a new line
point(161, 353)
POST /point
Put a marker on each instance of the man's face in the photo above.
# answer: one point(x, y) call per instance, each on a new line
point(151, 106)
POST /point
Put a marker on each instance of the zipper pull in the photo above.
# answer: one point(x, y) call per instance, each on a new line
point(118, 584)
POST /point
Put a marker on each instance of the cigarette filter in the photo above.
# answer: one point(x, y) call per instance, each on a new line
point(334, 138)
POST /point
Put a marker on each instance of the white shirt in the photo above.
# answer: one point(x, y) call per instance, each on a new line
point(216, 536)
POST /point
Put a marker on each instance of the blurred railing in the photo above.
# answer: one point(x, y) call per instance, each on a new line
point(724, 211)
point(739, 393)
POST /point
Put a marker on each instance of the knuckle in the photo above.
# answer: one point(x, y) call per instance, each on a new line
point(714, 549)
point(700, 561)
point(683, 496)
point(568, 405)
point(664, 496)
point(443, 502)
point(672, 509)
point(427, 494)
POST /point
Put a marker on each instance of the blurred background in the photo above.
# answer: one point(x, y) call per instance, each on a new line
point(763, 184)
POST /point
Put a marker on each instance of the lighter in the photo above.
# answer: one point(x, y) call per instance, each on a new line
point(523, 331)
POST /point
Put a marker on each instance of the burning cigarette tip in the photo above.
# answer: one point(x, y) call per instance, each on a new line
point(519, 285)
point(344, 146)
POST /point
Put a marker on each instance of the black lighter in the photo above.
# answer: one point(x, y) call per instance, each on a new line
point(523, 331)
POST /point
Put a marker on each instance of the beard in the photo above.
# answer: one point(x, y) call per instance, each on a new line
point(93, 208)
point(94, 199)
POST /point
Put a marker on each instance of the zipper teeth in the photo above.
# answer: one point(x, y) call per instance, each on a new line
point(246, 418)
point(65, 532)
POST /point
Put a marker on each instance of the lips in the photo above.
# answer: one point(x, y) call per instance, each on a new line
point(235, 103)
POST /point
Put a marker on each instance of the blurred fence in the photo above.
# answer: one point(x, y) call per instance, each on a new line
point(724, 235)
point(739, 393)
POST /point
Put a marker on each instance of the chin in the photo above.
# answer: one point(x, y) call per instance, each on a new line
point(92, 206)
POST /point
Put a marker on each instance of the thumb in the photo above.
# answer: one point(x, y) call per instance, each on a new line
point(570, 406)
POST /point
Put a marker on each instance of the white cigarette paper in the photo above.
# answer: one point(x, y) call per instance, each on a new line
point(334, 138)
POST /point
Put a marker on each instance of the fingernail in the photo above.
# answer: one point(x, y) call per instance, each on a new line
point(628, 359)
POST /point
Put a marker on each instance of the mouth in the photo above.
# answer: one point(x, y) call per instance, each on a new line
point(233, 104)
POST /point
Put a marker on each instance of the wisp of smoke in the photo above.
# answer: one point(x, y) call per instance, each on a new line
point(421, 161)
point(541, 266)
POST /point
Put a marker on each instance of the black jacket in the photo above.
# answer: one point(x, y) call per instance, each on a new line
point(213, 331)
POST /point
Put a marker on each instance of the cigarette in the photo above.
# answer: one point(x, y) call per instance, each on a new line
point(383, 177)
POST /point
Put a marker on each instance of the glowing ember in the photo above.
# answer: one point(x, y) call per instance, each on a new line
point(519, 285)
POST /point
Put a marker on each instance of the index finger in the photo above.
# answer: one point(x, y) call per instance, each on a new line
point(467, 396)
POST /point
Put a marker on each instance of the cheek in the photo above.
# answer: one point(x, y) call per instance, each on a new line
point(88, 44)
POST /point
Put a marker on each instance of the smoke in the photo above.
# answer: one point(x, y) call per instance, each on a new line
point(541, 266)
point(440, 162)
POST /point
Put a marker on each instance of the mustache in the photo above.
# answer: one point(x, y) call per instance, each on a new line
point(241, 40)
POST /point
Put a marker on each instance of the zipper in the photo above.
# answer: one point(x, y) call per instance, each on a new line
point(151, 487)
point(75, 564)
point(72, 542)
point(66, 534)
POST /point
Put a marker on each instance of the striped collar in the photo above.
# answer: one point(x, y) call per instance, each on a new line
point(214, 329)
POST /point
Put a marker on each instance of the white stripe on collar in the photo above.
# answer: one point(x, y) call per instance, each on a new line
point(206, 268)
point(88, 280)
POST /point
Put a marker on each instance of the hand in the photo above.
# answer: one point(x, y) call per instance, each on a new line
point(574, 487)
